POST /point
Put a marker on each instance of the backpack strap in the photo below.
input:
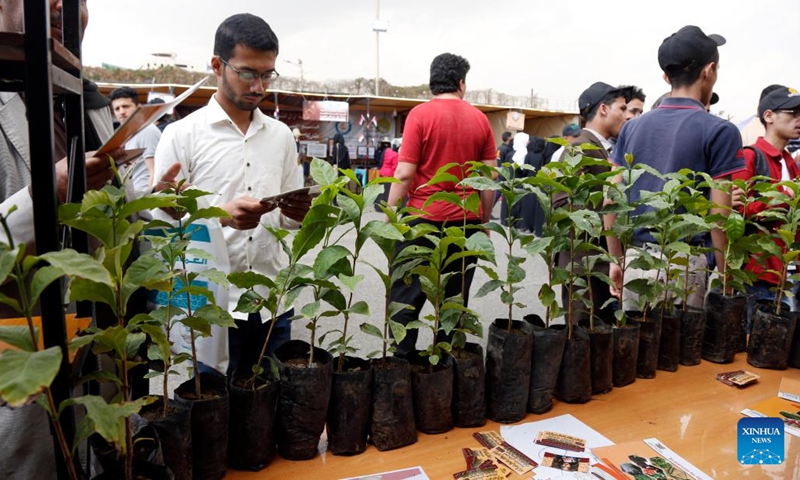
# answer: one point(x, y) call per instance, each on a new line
point(762, 167)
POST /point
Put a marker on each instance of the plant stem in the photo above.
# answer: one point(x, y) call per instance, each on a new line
point(686, 288)
point(343, 350)
point(168, 359)
point(62, 441)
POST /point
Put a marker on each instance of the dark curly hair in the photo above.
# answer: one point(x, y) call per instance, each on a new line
point(124, 92)
point(247, 30)
point(447, 70)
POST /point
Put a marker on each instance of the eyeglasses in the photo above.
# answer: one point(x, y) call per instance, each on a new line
point(250, 77)
point(794, 113)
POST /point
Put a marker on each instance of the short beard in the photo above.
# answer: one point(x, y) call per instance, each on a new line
point(228, 92)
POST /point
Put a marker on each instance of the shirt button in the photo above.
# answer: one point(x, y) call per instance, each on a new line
point(248, 164)
point(251, 239)
point(251, 267)
point(249, 188)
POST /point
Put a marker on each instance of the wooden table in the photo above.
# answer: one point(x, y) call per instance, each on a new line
point(689, 410)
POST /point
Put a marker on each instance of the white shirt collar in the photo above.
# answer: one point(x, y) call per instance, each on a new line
point(216, 114)
point(603, 141)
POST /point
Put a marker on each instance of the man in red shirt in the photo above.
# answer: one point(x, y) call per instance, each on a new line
point(779, 112)
point(444, 130)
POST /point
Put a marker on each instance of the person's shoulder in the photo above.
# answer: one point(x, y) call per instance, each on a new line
point(276, 125)
point(188, 123)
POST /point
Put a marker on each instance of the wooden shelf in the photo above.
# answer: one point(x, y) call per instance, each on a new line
point(689, 410)
point(65, 69)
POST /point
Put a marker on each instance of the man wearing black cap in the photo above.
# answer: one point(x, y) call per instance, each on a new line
point(603, 109)
point(680, 134)
point(779, 112)
point(570, 132)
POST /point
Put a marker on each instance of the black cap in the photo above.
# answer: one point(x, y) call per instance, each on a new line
point(571, 130)
point(595, 94)
point(780, 99)
point(688, 48)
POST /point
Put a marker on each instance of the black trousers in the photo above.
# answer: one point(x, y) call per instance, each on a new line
point(413, 295)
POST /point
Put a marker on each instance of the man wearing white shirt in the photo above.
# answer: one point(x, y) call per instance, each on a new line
point(124, 103)
point(232, 149)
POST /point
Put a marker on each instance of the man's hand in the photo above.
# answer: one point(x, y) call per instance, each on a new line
point(245, 212)
point(615, 274)
point(98, 172)
point(168, 179)
point(295, 206)
point(737, 198)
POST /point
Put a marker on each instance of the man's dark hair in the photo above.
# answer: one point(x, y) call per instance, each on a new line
point(638, 94)
point(124, 92)
point(447, 70)
point(247, 30)
point(506, 136)
point(609, 99)
point(684, 77)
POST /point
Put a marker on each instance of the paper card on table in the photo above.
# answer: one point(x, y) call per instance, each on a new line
point(738, 378)
point(142, 117)
point(560, 440)
point(790, 389)
point(649, 457)
point(479, 474)
point(414, 473)
point(566, 463)
point(513, 458)
point(523, 437)
point(488, 439)
point(478, 458)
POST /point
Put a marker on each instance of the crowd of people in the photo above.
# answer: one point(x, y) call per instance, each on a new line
point(231, 148)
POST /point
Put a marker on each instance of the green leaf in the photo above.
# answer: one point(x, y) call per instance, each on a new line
point(734, 227)
point(41, 280)
point(398, 331)
point(216, 276)
point(371, 329)
point(351, 282)
point(489, 287)
point(310, 310)
point(215, 315)
point(197, 324)
point(360, 308)
point(148, 202)
point(8, 258)
point(109, 420)
point(327, 258)
point(546, 295)
point(206, 214)
point(323, 172)
point(25, 374)
point(383, 230)
point(14, 304)
point(78, 265)
point(18, 336)
point(250, 279)
point(250, 302)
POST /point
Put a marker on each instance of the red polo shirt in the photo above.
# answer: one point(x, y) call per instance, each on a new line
point(774, 159)
point(439, 132)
